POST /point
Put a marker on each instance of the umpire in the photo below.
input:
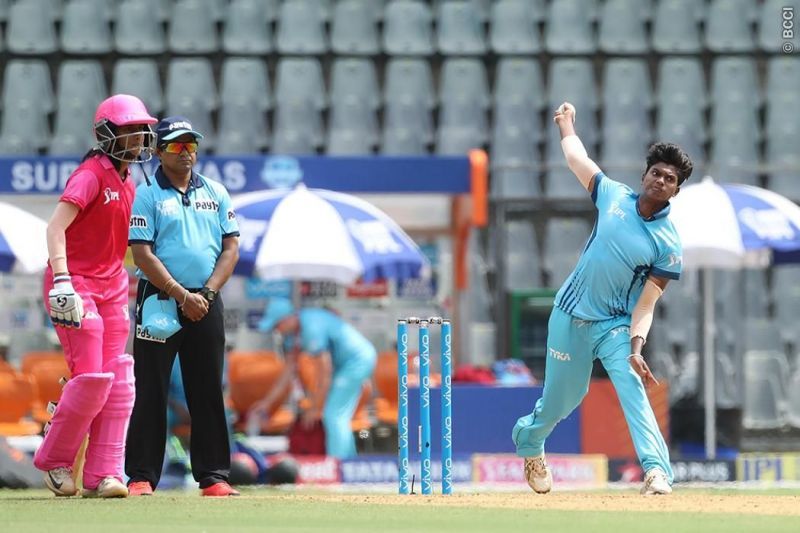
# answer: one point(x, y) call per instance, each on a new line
point(184, 238)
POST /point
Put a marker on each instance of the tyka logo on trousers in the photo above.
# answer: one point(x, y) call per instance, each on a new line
point(560, 356)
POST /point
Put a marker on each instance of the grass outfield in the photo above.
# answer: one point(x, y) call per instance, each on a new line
point(271, 510)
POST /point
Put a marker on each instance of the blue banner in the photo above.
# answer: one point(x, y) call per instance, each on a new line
point(376, 174)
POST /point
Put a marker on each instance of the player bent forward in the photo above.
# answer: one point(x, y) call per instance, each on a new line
point(605, 307)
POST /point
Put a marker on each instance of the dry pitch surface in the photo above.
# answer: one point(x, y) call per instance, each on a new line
point(687, 502)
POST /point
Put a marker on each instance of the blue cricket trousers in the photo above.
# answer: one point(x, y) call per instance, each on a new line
point(572, 346)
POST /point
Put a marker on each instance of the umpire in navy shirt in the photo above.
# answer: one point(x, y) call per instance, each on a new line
point(185, 243)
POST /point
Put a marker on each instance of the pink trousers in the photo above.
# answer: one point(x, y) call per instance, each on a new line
point(100, 402)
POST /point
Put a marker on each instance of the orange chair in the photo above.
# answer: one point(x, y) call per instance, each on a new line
point(306, 371)
point(386, 383)
point(7, 368)
point(31, 359)
point(47, 373)
point(250, 377)
point(17, 396)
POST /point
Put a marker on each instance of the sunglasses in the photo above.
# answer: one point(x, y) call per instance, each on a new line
point(176, 148)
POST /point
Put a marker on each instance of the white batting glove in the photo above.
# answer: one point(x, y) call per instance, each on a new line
point(66, 306)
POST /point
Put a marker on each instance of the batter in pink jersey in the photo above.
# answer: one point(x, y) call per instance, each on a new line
point(86, 294)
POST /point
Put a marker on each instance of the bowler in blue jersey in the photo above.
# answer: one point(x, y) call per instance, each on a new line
point(604, 309)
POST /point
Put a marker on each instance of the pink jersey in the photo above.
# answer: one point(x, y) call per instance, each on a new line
point(98, 237)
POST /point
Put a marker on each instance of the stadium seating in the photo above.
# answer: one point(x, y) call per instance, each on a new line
point(247, 29)
point(728, 26)
point(407, 28)
point(513, 29)
point(17, 395)
point(622, 27)
point(523, 267)
point(354, 28)
point(250, 376)
point(137, 32)
point(564, 239)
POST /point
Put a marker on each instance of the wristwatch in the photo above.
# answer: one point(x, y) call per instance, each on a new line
point(209, 294)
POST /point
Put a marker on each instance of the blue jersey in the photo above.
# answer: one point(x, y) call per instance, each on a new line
point(622, 251)
point(184, 229)
point(324, 331)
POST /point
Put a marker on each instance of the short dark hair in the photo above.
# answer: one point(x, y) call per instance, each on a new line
point(671, 154)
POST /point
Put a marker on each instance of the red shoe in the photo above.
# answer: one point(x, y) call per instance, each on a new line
point(140, 488)
point(219, 489)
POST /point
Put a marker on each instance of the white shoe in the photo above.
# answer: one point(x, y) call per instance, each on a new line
point(539, 476)
point(110, 487)
point(59, 481)
point(655, 482)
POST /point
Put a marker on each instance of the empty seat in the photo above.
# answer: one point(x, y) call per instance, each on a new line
point(24, 129)
point(464, 78)
point(787, 306)
point(136, 30)
point(297, 129)
point(513, 29)
point(407, 28)
point(522, 266)
point(572, 80)
point(191, 79)
point(246, 81)
point(734, 156)
point(300, 79)
point(193, 30)
point(83, 31)
point(30, 29)
point(519, 78)
point(681, 38)
point(301, 28)
point(247, 29)
point(764, 390)
point(81, 87)
point(402, 141)
point(569, 27)
point(457, 140)
point(409, 115)
point(139, 77)
point(354, 29)
point(353, 128)
point(515, 163)
point(734, 79)
point(682, 121)
point(622, 27)
point(355, 78)
point(624, 150)
point(756, 295)
point(793, 406)
point(783, 78)
point(191, 92)
point(770, 24)
point(28, 81)
point(242, 129)
point(517, 112)
point(564, 241)
point(459, 112)
point(728, 26)
point(761, 334)
point(409, 79)
point(681, 79)
point(460, 29)
point(250, 376)
point(783, 161)
point(17, 400)
point(627, 92)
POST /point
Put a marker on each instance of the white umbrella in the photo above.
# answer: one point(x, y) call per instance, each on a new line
point(23, 241)
point(322, 235)
point(730, 226)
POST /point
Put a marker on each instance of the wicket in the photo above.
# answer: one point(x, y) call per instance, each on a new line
point(424, 432)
